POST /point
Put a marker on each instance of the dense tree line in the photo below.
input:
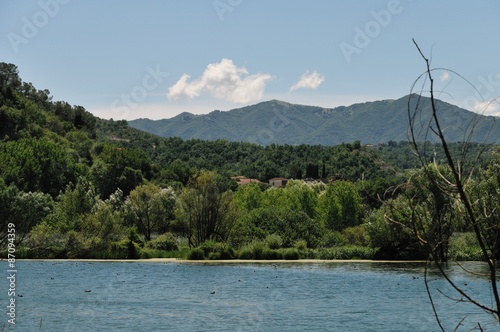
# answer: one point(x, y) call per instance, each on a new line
point(78, 186)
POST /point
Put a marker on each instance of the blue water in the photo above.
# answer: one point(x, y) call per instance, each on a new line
point(238, 297)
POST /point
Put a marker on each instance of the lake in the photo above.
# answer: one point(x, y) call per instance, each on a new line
point(146, 296)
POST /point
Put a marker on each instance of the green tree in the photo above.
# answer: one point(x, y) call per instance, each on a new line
point(248, 197)
point(485, 192)
point(119, 168)
point(28, 210)
point(204, 209)
point(10, 82)
point(7, 197)
point(37, 165)
point(393, 240)
point(150, 208)
point(299, 196)
point(80, 225)
point(290, 225)
point(340, 206)
point(434, 210)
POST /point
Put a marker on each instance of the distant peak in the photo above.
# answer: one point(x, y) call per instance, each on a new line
point(279, 102)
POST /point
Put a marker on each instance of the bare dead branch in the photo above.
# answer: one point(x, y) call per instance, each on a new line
point(454, 185)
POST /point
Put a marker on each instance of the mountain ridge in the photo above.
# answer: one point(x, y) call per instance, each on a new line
point(281, 122)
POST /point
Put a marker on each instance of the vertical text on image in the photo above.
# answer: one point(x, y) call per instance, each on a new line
point(11, 271)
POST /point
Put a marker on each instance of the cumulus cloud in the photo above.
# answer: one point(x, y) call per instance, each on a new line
point(444, 76)
point(491, 107)
point(308, 81)
point(221, 80)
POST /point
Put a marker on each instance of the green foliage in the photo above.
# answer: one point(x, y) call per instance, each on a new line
point(485, 193)
point(205, 210)
point(333, 239)
point(75, 185)
point(80, 226)
point(37, 165)
point(340, 206)
point(165, 241)
point(356, 235)
point(291, 254)
point(150, 208)
point(289, 225)
point(429, 210)
point(260, 251)
point(347, 252)
point(217, 250)
point(245, 253)
point(274, 241)
point(119, 168)
point(178, 171)
point(300, 244)
point(248, 197)
point(299, 196)
point(125, 249)
point(24, 210)
point(392, 239)
point(464, 247)
point(196, 254)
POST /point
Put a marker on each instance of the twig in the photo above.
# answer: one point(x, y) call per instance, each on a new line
point(430, 296)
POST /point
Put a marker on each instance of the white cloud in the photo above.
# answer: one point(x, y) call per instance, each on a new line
point(221, 80)
point(308, 81)
point(491, 107)
point(444, 76)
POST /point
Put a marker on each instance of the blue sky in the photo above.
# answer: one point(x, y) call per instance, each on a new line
point(126, 59)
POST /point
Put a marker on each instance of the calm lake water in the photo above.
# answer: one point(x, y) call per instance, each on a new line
point(133, 296)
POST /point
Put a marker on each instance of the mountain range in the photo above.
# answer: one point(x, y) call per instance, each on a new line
point(280, 122)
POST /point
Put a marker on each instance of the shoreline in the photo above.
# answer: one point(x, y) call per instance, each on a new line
point(219, 261)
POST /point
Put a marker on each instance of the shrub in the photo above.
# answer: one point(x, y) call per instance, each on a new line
point(464, 247)
point(165, 242)
point(196, 254)
point(124, 249)
point(214, 256)
point(300, 244)
point(334, 239)
point(274, 241)
point(356, 235)
point(291, 254)
point(246, 253)
point(347, 252)
point(257, 249)
point(268, 253)
point(308, 253)
point(208, 246)
point(222, 250)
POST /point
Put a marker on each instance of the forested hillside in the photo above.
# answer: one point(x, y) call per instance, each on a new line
point(74, 185)
point(278, 122)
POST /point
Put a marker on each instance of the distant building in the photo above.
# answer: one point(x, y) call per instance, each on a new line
point(278, 182)
point(242, 180)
